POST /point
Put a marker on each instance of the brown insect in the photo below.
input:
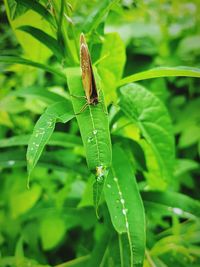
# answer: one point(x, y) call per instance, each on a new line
point(88, 79)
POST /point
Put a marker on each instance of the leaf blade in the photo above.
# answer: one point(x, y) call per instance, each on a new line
point(44, 38)
point(161, 72)
point(43, 131)
point(125, 205)
point(177, 201)
point(37, 7)
point(24, 61)
point(152, 118)
point(93, 123)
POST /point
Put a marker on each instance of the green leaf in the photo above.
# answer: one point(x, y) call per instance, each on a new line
point(94, 128)
point(23, 61)
point(161, 72)
point(57, 139)
point(97, 15)
point(78, 262)
point(178, 203)
point(124, 249)
point(38, 92)
point(52, 231)
point(188, 126)
point(93, 123)
point(61, 111)
point(111, 65)
point(59, 160)
point(99, 251)
point(125, 205)
point(16, 9)
point(37, 7)
point(152, 118)
point(44, 38)
point(22, 201)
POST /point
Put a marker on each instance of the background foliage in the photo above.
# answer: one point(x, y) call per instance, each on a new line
point(154, 125)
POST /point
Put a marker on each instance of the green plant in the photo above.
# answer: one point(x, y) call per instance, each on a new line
point(124, 193)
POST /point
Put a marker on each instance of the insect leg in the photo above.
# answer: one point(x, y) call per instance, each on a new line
point(103, 108)
point(82, 109)
point(78, 96)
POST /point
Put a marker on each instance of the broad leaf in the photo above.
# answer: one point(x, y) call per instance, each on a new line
point(125, 205)
point(50, 235)
point(110, 67)
point(150, 115)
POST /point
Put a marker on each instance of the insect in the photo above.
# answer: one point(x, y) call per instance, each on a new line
point(88, 79)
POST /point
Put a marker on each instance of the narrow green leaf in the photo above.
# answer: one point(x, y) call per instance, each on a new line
point(99, 251)
point(113, 252)
point(44, 129)
point(161, 72)
point(97, 15)
point(78, 262)
point(57, 139)
point(37, 7)
point(94, 128)
point(15, 141)
point(124, 249)
point(38, 92)
point(59, 160)
point(93, 123)
point(178, 203)
point(152, 118)
point(125, 205)
point(23, 61)
point(44, 38)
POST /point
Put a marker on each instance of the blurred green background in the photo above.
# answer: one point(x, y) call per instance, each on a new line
point(53, 221)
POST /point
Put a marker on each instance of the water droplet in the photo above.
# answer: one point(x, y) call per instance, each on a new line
point(120, 193)
point(90, 139)
point(127, 225)
point(11, 162)
point(95, 132)
point(108, 185)
point(124, 211)
point(115, 179)
point(37, 145)
point(114, 126)
point(177, 211)
point(100, 179)
point(122, 200)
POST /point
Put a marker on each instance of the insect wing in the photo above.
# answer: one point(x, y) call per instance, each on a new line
point(86, 68)
point(87, 72)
